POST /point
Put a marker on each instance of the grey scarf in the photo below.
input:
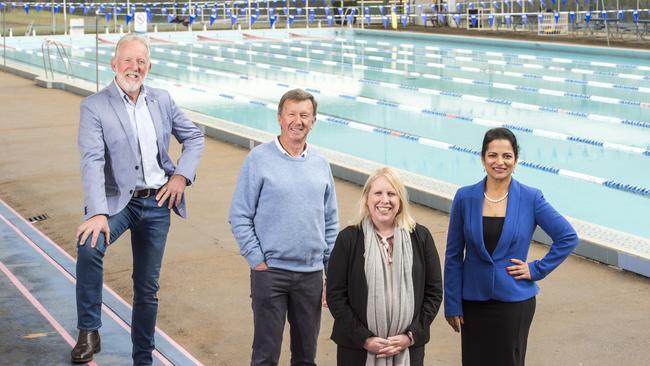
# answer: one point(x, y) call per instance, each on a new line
point(390, 304)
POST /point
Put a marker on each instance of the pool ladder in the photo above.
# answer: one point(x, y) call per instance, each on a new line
point(30, 28)
point(47, 58)
point(355, 14)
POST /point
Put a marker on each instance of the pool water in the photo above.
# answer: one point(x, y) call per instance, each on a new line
point(422, 103)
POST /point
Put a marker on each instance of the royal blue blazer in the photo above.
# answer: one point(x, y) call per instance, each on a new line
point(472, 274)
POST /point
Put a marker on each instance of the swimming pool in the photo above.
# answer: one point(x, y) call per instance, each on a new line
point(422, 103)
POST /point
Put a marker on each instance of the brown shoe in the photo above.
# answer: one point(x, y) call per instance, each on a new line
point(87, 345)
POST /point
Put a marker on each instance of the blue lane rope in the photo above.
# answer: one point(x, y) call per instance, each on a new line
point(629, 188)
point(479, 121)
point(613, 184)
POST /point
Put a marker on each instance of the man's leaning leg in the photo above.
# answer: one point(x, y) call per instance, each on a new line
point(90, 279)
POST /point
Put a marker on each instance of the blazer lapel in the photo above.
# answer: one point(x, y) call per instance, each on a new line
point(477, 219)
point(156, 117)
point(510, 223)
point(120, 110)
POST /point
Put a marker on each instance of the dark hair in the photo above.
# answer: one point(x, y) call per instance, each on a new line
point(297, 95)
point(500, 133)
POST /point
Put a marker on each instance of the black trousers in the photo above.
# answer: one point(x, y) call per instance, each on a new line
point(495, 333)
point(357, 357)
point(278, 295)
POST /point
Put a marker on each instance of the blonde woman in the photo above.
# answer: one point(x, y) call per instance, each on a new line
point(384, 285)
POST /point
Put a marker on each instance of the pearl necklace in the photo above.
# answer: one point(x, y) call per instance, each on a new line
point(496, 200)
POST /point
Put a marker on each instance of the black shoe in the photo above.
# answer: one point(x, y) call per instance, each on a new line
point(87, 345)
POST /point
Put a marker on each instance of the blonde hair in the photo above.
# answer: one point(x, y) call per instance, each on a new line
point(403, 219)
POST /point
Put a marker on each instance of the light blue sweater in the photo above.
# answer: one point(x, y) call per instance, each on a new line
point(284, 210)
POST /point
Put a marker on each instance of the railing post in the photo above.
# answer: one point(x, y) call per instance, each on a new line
point(4, 38)
point(53, 18)
point(114, 17)
point(363, 14)
point(97, 50)
point(65, 18)
point(605, 20)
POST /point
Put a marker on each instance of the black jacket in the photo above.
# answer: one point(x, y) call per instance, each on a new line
point(347, 289)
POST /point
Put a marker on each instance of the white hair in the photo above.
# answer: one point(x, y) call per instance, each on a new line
point(133, 37)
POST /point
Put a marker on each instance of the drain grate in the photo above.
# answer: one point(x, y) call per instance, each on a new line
point(37, 218)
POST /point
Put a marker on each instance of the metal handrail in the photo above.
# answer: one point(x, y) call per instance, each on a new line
point(347, 12)
point(47, 60)
point(30, 26)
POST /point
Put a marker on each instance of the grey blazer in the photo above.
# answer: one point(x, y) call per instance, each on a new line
point(108, 148)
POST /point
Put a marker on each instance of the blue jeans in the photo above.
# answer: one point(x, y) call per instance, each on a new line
point(149, 225)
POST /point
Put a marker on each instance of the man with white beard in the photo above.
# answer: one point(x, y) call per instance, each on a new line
point(130, 183)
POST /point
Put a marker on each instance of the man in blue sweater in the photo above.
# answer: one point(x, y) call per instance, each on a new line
point(284, 217)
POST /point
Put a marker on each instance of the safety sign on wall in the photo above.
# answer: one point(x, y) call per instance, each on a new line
point(140, 22)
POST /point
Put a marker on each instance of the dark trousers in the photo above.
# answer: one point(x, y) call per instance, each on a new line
point(149, 225)
point(280, 294)
point(495, 333)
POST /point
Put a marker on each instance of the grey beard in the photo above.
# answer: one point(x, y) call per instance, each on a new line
point(126, 86)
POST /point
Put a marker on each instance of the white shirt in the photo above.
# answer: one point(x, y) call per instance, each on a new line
point(151, 173)
point(282, 150)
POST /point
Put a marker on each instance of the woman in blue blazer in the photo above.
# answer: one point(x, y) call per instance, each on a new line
point(489, 287)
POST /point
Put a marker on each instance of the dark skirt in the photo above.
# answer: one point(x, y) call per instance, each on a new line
point(357, 357)
point(495, 333)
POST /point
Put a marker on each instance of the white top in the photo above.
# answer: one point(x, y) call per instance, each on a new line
point(282, 150)
point(151, 175)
